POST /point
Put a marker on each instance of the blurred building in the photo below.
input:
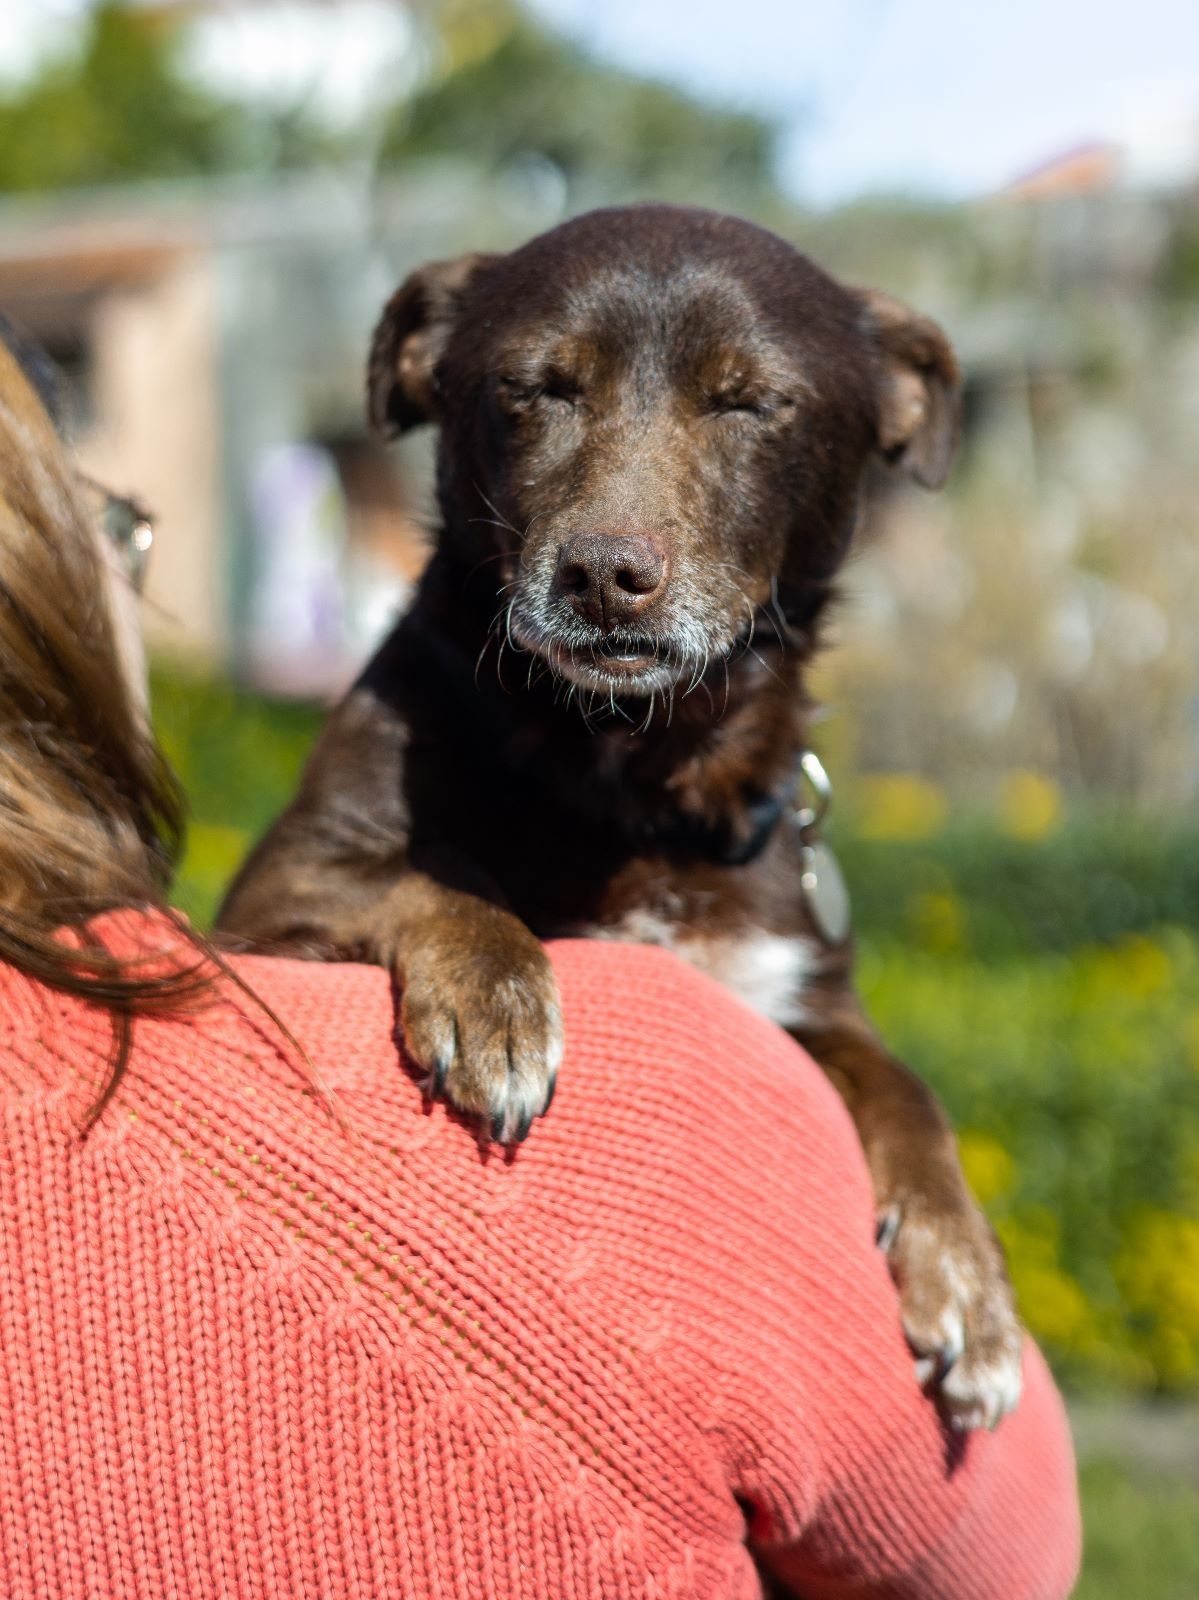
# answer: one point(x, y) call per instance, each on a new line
point(213, 341)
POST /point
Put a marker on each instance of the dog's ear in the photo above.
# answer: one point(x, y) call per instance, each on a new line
point(411, 336)
point(918, 388)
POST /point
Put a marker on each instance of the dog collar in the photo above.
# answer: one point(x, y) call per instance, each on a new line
point(807, 796)
point(824, 890)
point(764, 817)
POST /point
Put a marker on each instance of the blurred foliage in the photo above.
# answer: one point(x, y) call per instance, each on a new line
point(1140, 1535)
point(507, 90)
point(503, 92)
point(1040, 969)
point(1099, 877)
point(1180, 269)
point(238, 757)
point(121, 108)
point(117, 110)
point(1073, 1082)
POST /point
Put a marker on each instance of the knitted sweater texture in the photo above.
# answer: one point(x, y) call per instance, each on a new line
point(246, 1353)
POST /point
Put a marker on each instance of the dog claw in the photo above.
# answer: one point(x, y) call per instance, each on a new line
point(887, 1228)
point(958, 1312)
point(512, 1121)
point(434, 1085)
point(933, 1369)
point(511, 1128)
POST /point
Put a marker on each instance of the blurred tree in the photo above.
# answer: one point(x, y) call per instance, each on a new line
point(1180, 266)
point(500, 91)
point(121, 108)
point(505, 90)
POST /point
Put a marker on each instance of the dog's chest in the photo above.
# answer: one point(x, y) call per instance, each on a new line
point(768, 971)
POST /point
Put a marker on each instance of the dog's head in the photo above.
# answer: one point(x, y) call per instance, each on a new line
point(654, 421)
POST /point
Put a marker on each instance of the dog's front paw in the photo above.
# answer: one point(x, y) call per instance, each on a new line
point(480, 1015)
point(958, 1309)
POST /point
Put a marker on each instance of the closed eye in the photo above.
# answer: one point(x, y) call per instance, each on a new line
point(724, 404)
point(736, 402)
point(551, 385)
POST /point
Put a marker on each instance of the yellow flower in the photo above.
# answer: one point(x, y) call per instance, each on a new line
point(1030, 806)
point(899, 805)
point(1050, 1301)
point(987, 1165)
point(1144, 966)
point(937, 922)
point(1053, 1306)
point(1157, 1270)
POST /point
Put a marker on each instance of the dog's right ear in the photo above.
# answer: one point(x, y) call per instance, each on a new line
point(918, 388)
point(409, 341)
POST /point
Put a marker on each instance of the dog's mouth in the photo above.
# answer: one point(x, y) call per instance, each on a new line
point(615, 663)
point(629, 655)
point(629, 665)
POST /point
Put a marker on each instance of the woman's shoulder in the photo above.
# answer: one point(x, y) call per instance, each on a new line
point(35, 1046)
point(646, 1023)
point(649, 1041)
point(663, 1070)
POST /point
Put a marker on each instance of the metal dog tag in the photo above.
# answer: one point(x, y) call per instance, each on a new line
point(824, 892)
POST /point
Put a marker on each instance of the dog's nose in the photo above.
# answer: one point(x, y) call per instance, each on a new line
point(611, 577)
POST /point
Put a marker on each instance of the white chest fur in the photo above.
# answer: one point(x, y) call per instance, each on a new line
point(768, 971)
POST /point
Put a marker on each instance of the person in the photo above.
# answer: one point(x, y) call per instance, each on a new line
point(271, 1325)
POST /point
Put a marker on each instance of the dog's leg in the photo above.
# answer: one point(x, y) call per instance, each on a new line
point(958, 1310)
point(335, 877)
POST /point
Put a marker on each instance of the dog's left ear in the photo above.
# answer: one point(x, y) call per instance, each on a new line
point(918, 388)
point(409, 341)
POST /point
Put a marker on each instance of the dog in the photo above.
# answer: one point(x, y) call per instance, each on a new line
point(654, 423)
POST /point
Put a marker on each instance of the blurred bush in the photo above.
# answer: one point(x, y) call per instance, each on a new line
point(121, 101)
point(1040, 967)
point(238, 757)
point(1099, 877)
point(1047, 986)
point(513, 93)
point(1073, 1081)
point(117, 105)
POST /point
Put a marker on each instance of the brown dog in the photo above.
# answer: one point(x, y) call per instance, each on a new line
point(653, 426)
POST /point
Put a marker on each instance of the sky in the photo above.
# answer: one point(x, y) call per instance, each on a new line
point(937, 97)
point(942, 97)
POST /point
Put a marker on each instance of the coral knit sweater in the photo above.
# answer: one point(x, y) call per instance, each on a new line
point(244, 1355)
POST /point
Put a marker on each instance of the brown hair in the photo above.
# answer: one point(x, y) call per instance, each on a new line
point(91, 817)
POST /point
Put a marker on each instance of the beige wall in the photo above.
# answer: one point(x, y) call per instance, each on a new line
point(155, 436)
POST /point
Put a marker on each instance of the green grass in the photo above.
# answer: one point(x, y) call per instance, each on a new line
point(238, 757)
point(1140, 1535)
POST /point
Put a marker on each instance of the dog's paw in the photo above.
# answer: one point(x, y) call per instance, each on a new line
point(482, 1020)
point(958, 1309)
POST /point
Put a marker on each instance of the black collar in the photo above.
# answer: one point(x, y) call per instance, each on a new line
point(763, 817)
point(730, 842)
